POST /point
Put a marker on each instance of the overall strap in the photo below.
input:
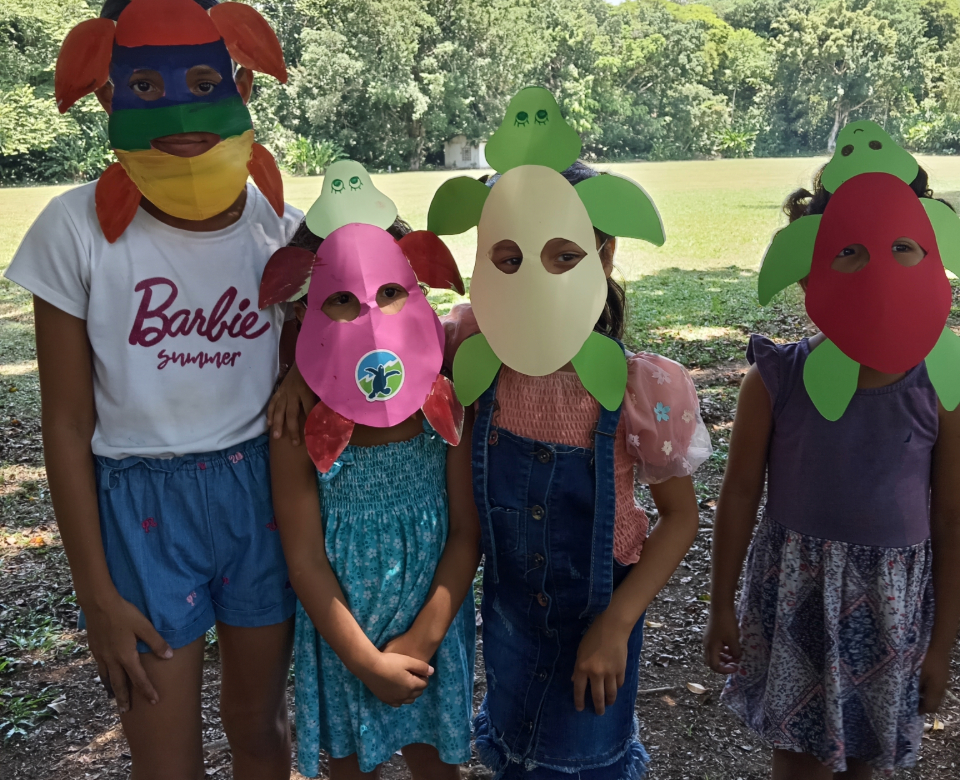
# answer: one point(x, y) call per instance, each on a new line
point(486, 406)
point(604, 513)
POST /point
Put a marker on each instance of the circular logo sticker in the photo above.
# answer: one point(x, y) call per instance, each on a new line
point(380, 375)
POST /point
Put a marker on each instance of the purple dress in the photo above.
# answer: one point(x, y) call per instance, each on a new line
point(837, 603)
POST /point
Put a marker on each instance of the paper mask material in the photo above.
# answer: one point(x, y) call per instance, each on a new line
point(170, 38)
point(348, 196)
point(620, 207)
point(536, 321)
point(886, 315)
point(533, 132)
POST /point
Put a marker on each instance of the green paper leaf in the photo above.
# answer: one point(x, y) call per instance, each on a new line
point(865, 147)
point(533, 132)
point(474, 368)
point(946, 225)
point(619, 206)
point(602, 368)
point(788, 258)
point(456, 206)
point(831, 379)
point(943, 368)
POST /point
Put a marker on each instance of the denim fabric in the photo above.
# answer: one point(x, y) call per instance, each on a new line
point(192, 540)
point(549, 569)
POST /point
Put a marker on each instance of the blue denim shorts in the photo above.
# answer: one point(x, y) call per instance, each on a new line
point(192, 540)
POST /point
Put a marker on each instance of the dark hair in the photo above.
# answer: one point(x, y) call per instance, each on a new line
point(614, 315)
point(803, 203)
point(113, 8)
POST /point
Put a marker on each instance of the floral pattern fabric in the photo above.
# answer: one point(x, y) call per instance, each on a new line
point(385, 527)
point(833, 636)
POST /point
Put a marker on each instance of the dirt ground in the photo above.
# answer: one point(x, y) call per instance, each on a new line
point(48, 681)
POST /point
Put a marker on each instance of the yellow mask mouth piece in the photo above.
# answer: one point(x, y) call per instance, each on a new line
point(192, 188)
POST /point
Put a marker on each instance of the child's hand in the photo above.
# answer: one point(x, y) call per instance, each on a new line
point(601, 661)
point(112, 634)
point(410, 644)
point(283, 411)
point(397, 679)
point(934, 675)
point(721, 642)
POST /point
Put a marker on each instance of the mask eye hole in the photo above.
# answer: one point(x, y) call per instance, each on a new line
point(851, 259)
point(392, 297)
point(147, 85)
point(522, 120)
point(507, 256)
point(337, 185)
point(202, 80)
point(342, 306)
point(907, 252)
point(847, 150)
point(560, 255)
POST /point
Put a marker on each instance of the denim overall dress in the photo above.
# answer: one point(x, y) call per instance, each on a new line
point(549, 570)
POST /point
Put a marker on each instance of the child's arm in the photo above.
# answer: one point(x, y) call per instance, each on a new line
point(393, 678)
point(294, 394)
point(602, 655)
point(945, 541)
point(65, 362)
point(458, 565)
point(736, 517)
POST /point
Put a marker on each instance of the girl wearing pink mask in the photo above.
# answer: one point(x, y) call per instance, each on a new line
point(383, 558)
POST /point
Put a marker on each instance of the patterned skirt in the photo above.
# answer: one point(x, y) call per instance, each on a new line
point(833, 636)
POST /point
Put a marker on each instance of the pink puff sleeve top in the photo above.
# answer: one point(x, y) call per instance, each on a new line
point(661, 434)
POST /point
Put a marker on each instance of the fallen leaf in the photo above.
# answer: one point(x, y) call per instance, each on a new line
point(652, 624)
point(937, 724)
point(696, 688)
point(670, 702)
point(58, 706)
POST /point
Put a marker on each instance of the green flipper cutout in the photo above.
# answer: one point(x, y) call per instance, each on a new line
point(456, 206)
point(831, 379)
point(788, 258)
point(946, 225)
point(474, 368)
point(602, 368)
point(943, 368)
point(619, 206)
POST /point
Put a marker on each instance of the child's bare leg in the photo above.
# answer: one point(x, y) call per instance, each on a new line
point(166, 738)
point(255, 665)
point(349, 769)
point(788, 765)
point(425, 764)
point(856, 770)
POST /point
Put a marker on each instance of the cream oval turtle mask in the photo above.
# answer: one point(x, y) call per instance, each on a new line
point(381, 363)
point(890, 313)
point(536, 316)
point(171, 66)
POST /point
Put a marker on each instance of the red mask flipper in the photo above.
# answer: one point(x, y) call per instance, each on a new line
point(444, 412)
point(327, 434)
point(249, 39)
point(285, 274)
point(431, 261)
point(117, 199)
point(266, 175)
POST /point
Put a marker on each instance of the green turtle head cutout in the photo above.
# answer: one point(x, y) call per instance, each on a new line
point(865, 147)
point(348, 197)
point(533, 133)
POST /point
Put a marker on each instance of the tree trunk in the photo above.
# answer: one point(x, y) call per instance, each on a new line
point(840, 116)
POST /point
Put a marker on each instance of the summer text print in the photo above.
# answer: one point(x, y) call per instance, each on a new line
point(153, 325)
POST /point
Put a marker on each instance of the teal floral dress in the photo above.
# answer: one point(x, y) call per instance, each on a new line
point(385, 526)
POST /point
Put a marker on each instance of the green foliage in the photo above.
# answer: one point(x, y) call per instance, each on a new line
point(388, 82)
point(21, 712)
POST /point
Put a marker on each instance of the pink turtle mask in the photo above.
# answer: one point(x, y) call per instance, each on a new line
point(377, 369)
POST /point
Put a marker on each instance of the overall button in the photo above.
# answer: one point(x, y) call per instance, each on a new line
point(493, 439)
point(528, 725)
point(538, 560)
point(542, 675)
point(538, 512)
point(542, 600)
point(544, 456)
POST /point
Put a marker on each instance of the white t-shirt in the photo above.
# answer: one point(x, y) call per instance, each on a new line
point(183, 361)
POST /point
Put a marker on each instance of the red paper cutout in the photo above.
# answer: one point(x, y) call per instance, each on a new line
point(884, 316)
point(431, 261)
point(285, 274)
point(250, 40)
point(83, 64)
point(327, 434)
point(444, 412)
point(266, 175)
point(165, 23)
point(117, 200)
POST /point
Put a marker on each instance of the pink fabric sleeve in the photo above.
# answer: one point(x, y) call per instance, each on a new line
point(665, 432)
point(458, 326)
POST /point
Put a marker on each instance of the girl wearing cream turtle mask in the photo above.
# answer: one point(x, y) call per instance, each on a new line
point(566, 421)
